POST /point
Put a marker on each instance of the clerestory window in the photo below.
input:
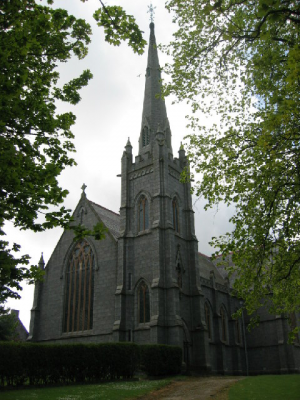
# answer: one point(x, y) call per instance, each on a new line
point(79, 289)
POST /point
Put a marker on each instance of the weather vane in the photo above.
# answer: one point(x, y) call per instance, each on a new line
point(151, 11)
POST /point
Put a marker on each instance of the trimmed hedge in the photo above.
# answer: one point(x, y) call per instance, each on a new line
point(158, 360)
point(42, 364)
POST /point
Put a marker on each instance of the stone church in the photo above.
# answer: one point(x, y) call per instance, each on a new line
point(146, 282)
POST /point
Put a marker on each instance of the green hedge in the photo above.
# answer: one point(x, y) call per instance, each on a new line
point(41, 364)
point(157, 360)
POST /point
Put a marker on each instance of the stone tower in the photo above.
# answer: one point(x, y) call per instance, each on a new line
point(157, 247)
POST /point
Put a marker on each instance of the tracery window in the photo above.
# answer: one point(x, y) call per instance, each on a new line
point(144, 303)
point(145, 136)
point(143, 214)
point(208, 319)
point(79, 289)
point(223, 324)
point(175, 215)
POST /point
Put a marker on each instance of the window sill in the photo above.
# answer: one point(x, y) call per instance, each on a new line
point(143, 327)
point(145, 232)
point(77, 333)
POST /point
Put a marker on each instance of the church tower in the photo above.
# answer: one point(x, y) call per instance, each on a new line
point(158, 296)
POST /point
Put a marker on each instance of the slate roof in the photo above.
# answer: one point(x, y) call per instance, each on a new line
point(110, 219)
point(206, 266)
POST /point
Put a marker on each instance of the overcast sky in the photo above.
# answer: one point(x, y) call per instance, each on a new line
point(110, 111)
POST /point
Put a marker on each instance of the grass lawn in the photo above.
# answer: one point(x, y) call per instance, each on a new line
point(267, 387)
point(105, 391)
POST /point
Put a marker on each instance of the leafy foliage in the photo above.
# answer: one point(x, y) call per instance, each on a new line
point(7, 326)
point(119, 26)
point(240, 61)
point(35, 141)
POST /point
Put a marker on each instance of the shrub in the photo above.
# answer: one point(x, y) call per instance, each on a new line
point(43, 364)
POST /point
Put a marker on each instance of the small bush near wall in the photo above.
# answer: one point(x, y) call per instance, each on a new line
point(157, 360)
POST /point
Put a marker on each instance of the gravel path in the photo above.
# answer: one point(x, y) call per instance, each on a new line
point(195, 388)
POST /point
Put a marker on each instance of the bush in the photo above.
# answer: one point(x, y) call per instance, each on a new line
point(43, 364)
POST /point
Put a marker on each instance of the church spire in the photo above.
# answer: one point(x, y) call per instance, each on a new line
point(154, 109)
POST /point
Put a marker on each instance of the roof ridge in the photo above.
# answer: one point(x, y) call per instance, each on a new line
point(104, 208)
point(204, 255)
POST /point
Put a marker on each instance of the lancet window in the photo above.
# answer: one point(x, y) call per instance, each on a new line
point(79, 289)
point(143, 214)
point(223, 324)
point(175, 215)
point(145, 136)
point(208, 319)
point(144, 303)
point(238, 331)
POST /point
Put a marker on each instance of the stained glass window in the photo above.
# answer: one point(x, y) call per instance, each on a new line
point(79, 289)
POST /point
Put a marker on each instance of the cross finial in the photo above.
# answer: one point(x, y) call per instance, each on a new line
point(83, 187)
point(151, 11)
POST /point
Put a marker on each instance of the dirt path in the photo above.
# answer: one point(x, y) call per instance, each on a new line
point(196, 388)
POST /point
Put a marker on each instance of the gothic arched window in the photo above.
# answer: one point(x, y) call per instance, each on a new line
point(223, 324)
point(79, 289)
point(145, 136)
point(144, 303)
point(143, 214)
point(208, 319)
point(175, 215)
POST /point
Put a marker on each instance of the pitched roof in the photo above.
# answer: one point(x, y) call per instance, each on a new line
point(207, 266)
point(110, 219)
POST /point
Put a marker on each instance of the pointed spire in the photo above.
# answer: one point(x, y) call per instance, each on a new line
point(41, 262)
point(154, 108)
point(128, 147)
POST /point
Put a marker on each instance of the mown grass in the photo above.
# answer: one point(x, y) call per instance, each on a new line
point(105, 391)
point(267, 387)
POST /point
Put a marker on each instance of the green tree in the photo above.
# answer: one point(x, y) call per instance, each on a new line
point(35, 141)
point(8, 323)
point(240, 60)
